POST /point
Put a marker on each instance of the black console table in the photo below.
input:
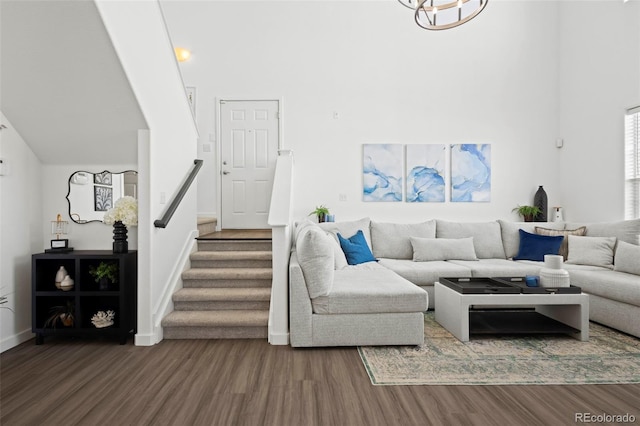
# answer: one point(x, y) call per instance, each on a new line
point(87, 297)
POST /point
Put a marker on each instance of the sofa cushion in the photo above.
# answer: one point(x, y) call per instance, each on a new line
point(392, 239)
point(373, 291)
point(340, 261)
point(534, 246)
point(627, 258)
point(349, 228)
point(618, 286)
point(596, 251)
point(429, 249)
point(498, 268)
point(487, 240)
point(564, 247)
point(511, 235)
point(625, 230)
point(315, 255)
point(425, 273)
point(355, 248)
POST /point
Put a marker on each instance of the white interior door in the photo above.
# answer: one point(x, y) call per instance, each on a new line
point(249, 134)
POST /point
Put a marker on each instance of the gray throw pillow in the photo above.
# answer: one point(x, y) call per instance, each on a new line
point(627, 258)
point(595, 251)
point(430, 249)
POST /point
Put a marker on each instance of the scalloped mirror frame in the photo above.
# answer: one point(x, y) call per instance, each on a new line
point(82, 178)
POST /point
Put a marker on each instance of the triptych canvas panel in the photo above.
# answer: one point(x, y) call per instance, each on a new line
point(385, 180)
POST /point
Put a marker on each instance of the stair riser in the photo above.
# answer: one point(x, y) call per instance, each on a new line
point(222, 283)
point(206, 228)
point(231, 264)
point(215, 332)
point(221, 245)
point(221, 305)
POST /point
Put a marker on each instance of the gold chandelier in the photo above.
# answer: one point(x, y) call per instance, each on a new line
point(444, 14)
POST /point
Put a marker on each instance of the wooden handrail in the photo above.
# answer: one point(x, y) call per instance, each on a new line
point(166, 217)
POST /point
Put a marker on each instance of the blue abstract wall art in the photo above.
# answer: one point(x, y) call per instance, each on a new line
point(382, 172)
point(425, 173)
point(471, 173)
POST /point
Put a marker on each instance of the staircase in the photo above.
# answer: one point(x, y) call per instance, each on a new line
point(227, 291)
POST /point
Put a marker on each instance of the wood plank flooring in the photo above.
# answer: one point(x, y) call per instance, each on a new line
point(249, 382)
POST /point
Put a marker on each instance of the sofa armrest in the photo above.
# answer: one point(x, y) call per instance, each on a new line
point(300, 310)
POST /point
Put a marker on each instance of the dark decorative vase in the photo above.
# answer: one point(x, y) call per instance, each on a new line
point(104, 283)
point(120, 243)
point(540, 201)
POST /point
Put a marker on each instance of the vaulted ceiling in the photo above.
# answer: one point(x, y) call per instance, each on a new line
point(62, 85)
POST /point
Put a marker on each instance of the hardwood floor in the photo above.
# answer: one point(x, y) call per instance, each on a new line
point(249, 382)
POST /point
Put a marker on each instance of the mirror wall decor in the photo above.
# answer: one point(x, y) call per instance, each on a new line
point(92, 194)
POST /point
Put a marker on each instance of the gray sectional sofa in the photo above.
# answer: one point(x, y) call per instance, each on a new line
point(382, 302)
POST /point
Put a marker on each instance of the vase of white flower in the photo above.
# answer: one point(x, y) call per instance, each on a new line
point(124, 213)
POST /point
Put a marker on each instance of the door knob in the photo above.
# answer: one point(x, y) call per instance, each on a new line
point(224, 172)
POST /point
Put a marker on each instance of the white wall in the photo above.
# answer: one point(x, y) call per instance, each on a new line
point(493, 80)
point(20, 233)
point(165, 155)
point(86, 236)
point(599, 80)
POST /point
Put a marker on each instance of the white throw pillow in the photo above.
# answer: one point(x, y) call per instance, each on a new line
point(391, 240)
point(316, 257)
point(487, 237)
point(595, 251)
point(627, 258)
point(430, 249)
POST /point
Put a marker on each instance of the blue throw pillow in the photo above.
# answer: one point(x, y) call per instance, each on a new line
point(356, 249)
point(534, 246)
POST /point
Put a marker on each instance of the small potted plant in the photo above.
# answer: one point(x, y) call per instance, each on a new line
point(64, 313)
point(321, 212)
point(105, 274)
point(528, 213)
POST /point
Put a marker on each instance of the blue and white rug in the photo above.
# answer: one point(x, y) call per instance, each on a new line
point(608, 357)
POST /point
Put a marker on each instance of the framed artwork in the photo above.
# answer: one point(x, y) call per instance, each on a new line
point(103, 198)
point(191, 96)
point(425, 173)
point(471, 173)
point(382, 172)
point(103, 178)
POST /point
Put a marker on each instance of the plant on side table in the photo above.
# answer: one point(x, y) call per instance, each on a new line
point(105, 274)
point(528, 213)
point(321, 212)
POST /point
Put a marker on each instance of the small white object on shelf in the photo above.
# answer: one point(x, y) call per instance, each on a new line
point(103, 319)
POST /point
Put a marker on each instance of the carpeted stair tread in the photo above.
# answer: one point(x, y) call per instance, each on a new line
point(227, 273)
point(222, 294)
point(232, 318)
point(231, 255)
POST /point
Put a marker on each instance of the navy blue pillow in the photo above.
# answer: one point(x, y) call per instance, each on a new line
point(356, 249)
point(534, 246)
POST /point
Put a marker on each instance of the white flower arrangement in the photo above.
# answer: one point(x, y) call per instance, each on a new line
point(125, 210)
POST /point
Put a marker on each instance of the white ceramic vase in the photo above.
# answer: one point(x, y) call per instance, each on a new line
point(66, 284)
point(60, 276)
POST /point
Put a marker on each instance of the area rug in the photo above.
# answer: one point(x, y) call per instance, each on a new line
point(608, 357)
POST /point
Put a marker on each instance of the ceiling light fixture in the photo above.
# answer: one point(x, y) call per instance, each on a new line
point(444, 14)
point(182, 54)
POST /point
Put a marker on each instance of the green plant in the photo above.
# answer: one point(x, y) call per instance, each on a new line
point(527, 212)
point(321, 212)
point(64, 313)
point(105, 270)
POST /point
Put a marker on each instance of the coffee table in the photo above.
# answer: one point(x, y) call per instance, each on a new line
point(452, 309)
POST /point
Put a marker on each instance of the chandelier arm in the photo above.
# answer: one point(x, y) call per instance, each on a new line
point(431, 24)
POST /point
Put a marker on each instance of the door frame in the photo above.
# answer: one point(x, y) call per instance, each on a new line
point(218, 119)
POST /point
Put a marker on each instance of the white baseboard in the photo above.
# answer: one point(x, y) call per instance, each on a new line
point(279, 339)
point(15, 340)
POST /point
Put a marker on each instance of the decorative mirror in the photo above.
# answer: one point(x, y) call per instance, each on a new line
point(92, 194)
